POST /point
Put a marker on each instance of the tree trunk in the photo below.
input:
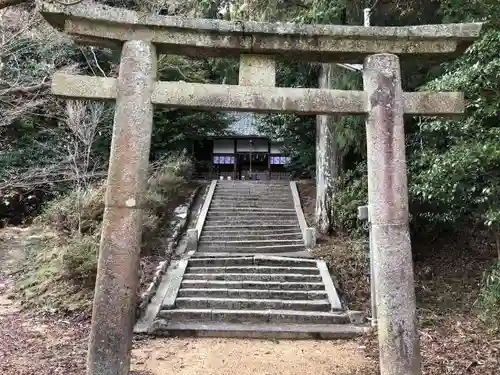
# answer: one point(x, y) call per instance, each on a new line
point(497, 239)
point(327, 158)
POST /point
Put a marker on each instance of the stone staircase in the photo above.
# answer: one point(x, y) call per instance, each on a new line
point(249, 217)
point(242, 280)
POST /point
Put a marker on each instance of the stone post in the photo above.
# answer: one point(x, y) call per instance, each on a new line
point(310, 237)
point(192, 239)
point(113, 313)
point(388, 202)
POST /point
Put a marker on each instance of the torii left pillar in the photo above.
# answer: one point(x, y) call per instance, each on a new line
point(117, 272)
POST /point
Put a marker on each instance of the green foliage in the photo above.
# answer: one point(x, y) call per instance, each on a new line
point(79, 261)
point(351, 191)
point(489, 299)
point(455, 163)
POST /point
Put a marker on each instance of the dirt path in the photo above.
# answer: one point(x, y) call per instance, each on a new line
point(245, 357)
point(32, 344)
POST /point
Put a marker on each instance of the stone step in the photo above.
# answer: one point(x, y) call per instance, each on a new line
point(254, 293)
point(252, 232)
point(241, 221)
point(254, 316)
point(289, 215)
point(247, 284)
point(253, 182)
point(298, 253)
point(264, 202)
point(235, 203)
point(254, 194)
point(249, 261)
point(254, 249)
point(242, 236)
point(284, 277)
point(254, 217)
point(251, 227)
point(253, 269)
point(249, 243)
point(280, 331)
point(280, 197)
point(250, 304)
point(251, 215)
point(225, 222)
point(258, 198)
point(214, 208)
point(253, 189)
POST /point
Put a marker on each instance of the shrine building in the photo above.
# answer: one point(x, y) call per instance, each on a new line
point(241, 153)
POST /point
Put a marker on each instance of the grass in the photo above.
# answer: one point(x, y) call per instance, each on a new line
point(60, 256)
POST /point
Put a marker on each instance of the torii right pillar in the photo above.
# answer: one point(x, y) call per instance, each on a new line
point(388, 201)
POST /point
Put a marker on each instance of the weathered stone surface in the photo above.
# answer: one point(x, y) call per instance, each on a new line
point(388, 211)
point(107, 26)
point(300, 215)
point(266, 330)
point(433, 103)
point(117, 276)
point(310, 237)
point(192, 239)
point(204, 209)
point(257, 70)
point(329, 287)
point(258, 99)
point(75, 86)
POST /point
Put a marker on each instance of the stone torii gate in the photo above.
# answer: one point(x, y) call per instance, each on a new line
point(141, 36)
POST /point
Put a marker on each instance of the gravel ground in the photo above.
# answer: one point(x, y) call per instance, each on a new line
point(245, 357)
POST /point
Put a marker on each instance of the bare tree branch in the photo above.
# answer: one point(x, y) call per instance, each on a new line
point(27, 90)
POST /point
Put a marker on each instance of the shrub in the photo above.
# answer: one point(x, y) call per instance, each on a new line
point(489, 298)
point(61, 270)
point(79, 260)
point(76, 212)
point(351, 192)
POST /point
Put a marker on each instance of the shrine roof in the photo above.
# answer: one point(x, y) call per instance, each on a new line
point(245, 124)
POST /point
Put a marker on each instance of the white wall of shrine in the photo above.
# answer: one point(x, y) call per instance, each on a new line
point(223, 146)
point(276, 148)
point(226, 146)
point(259, 145)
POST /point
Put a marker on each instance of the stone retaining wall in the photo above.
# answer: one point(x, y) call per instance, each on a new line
point(180, 227)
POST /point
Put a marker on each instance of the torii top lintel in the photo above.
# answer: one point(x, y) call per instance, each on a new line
point(108, 26)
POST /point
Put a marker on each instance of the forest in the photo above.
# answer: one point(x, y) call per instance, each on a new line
point(51, 148)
